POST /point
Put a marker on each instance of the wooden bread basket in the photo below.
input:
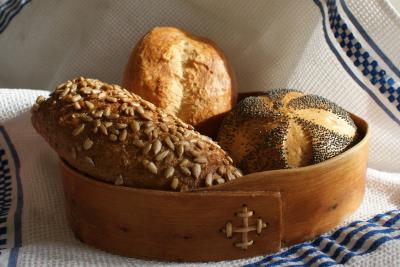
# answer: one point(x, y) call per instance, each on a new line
point(250, 216)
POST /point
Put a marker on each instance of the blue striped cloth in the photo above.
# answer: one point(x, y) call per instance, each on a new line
point(8, 10)
point(355, 239)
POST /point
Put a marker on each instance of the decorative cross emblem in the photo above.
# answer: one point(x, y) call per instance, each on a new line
point(245, 214)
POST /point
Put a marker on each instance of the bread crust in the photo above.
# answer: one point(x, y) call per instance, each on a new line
point(115, 136)
point(186, 75)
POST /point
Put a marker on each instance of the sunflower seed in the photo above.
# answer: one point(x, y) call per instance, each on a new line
point(201, 159)
point(237, 173)
point(102, 95)
point(174, 138)
point(98, 114)
point(114, 131)
point(179, 135)
point(111, 99)
point(96, 91)
point(185, 170)
point(78, 130)
point(122, 136)
point(193, 153)
point(146, 116)
point(179, 150)
point(119, 180)
point(76, 98)
point(157, 146)
point(86, 90)
point(113, 137)
point(40, 99)
point(148, 124)
point(220, 180)
point(181, 130)
point(107, 111)
point(229, 159)
point(135, 126)
point(174, 183)
point(156, 133)
point(87, 144)
point(138, 143)
point(130, 111)
point(121, 125)
point(163, 127)
point(169, 172)
point(114, 116)
point(145, 162)
point(86, 118)
point(148, 130)
point(103, 129)
point(162, 155)
point(209, 179)
point(77, 106)
point(184, 162)
point(123, 106)
point(65, 92)
point(89, 105)
point(95, 130)
point(200, 145)
point(73, 88)
point(230, 176)
point(140, 109)
point(125, 99)
point(221, 170)
point(169, 143)
point(89, 161)
point(196, 170)
point(151, 167)
point(108, 124)
point(147, 149)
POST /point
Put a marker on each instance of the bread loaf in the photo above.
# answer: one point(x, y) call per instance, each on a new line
point(285, 129)
point(186, 75)
point(112, 135)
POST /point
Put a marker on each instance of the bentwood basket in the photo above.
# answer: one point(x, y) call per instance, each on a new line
point(253, 215)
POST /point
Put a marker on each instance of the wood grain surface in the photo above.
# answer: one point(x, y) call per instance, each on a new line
point(296, 204)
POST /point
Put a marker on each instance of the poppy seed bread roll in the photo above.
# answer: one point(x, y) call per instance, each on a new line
point(186, 75)
point(285, 128)
point(113, 135)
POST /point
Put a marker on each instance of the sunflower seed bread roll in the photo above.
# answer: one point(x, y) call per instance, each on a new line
point(285, 128)
point(115, 136)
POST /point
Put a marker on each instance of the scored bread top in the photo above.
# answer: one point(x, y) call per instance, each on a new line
point(186, 75)
point(285, 128)
point(113, 135)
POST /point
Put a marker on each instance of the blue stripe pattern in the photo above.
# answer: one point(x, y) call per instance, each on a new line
point(9, 10)
point(368, 39)
point(16, 217)
point(348, 70)
point(369, 67)
point(357, 238)
point(5, 197)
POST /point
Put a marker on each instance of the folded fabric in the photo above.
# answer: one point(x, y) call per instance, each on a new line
point(346, 51)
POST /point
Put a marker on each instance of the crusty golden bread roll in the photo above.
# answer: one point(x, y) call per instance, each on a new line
point(186, 75)
point(285, 128)
point(113, 135)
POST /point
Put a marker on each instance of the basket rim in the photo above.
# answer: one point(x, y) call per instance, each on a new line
point(362, 126)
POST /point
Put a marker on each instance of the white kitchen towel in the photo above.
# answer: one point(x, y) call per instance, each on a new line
point(346, 51)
